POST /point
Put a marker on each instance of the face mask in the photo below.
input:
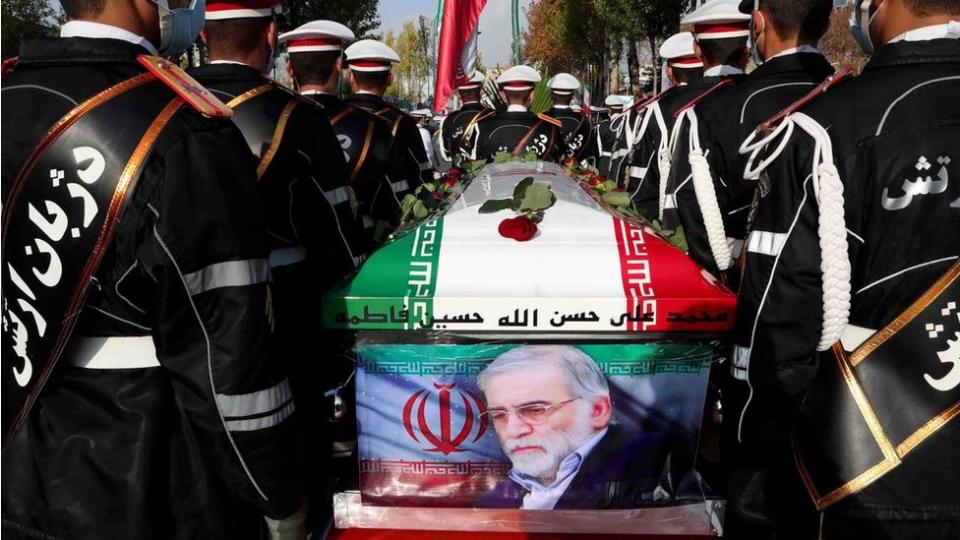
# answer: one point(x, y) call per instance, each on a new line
point(754, 38)
point(860, 21)
point(179, 27)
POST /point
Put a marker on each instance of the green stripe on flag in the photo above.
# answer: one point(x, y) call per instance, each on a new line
point(394, 289)
point(628, 360)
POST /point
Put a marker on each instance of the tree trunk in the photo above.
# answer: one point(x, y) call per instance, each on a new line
point(613, 66)
point(633, 68)
point(654, 62)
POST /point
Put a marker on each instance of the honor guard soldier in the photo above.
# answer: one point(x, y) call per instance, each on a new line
point(315, 240)
point(576, 126)
point(456, 128)
point(713, 207)
point(370, 62)
point(139, 399)
point(847, 343)
point(366, 141)
point(516, 130)
point(651, 154)
point(720, 31)
point(610, 140)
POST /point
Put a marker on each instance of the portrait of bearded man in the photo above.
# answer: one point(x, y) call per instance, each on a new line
point(551, 408)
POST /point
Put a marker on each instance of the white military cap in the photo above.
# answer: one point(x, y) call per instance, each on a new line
point(718, 19)
point(613, 100)
point(474, 82)
point(371, 55)
point(223, 10)
point(317, 36)
point(563, 84)
point(677, 50)
point(518, 78)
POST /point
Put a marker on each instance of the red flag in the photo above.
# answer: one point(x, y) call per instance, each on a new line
point(457, 48)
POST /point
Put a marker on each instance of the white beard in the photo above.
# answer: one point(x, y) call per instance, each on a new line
point(556, 445)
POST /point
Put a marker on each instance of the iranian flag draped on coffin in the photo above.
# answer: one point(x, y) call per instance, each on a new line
point(585, 271)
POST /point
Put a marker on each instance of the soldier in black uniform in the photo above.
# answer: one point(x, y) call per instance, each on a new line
point(856, 219)
point(652, 137)
point(786, 33)
point(370, 63)
point(608, 144)
point(164, 417)
point(456, 128)
point(720, 31)
point(576, 126)
point(516, 130)
point(365, 138)
point(314, 236)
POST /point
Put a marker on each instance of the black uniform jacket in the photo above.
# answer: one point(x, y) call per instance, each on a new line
point(409, 143)
point(894, 126)
point(305, 179)
point(575, 132)
point(644, 173)
point(376, 163)
point(503, 131)
point(725, 120)
point(452, 138)
point(202, 445)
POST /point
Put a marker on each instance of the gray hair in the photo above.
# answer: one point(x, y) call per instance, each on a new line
point(582, 374)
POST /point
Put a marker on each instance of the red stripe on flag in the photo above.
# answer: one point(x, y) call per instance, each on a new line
point(459, 21)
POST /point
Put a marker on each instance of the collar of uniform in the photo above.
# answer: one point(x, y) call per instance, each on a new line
point(935, 51)
point(721, 71)
point(793, 62)
point(950, 30)
point(78, 50)
point(465, 103)
point(94, 30)
point(315, 93)
point(371, 101)
point(226, 70)
point(516, 108)
point(561, 107)
point(802, 49)
point(229, 62)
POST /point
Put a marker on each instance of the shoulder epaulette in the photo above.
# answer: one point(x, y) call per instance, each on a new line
point(484, 114)
point(189, 90)
point(550, 120)
point(8, 65)
point(827, 84)
point(701, 97)
point(648, 102)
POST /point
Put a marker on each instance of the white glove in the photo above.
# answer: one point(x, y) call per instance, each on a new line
point(289, 528)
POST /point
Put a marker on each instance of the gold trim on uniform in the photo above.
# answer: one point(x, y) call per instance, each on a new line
point(277, 137)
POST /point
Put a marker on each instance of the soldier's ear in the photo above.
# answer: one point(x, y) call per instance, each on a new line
point(203, 37)
point(272, 35)
point(389, 80)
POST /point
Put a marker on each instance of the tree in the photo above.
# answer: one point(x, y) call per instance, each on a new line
point(25, 19)
point(838, 45)
point(358, 15)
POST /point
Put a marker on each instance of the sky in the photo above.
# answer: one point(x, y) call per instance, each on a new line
point(495, 33)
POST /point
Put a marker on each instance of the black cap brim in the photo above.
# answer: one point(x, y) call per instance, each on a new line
point(746, 6)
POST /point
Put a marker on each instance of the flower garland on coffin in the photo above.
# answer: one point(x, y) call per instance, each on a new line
point(618, 202)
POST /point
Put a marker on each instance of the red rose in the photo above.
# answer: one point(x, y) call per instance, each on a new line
point(570, 161)
point(596, 180)
point(448, 182)
point(520, 228)
point(454, 173)
point(436, 195)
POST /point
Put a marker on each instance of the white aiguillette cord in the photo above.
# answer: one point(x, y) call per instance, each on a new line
point(831, 224)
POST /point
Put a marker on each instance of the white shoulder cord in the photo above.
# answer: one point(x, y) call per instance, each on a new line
point(831, 224)
point(634, 135)
point(664, 156)
point(707, 198)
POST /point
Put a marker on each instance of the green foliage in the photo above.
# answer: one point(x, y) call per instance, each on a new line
point(23, 19)
point(541, 98)
point(358, 15)
point(675, 237)
point(529, 199)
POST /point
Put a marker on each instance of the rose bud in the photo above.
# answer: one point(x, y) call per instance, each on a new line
point(520, 228)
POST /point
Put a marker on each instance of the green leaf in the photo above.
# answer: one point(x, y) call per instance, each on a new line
point(537, 197)
point(407, 203)
point(495, 205)
point(609, 185)
point(502, 157)
point(530, 156)
point(420, 210)
point(520, 189)
point(618, 198)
